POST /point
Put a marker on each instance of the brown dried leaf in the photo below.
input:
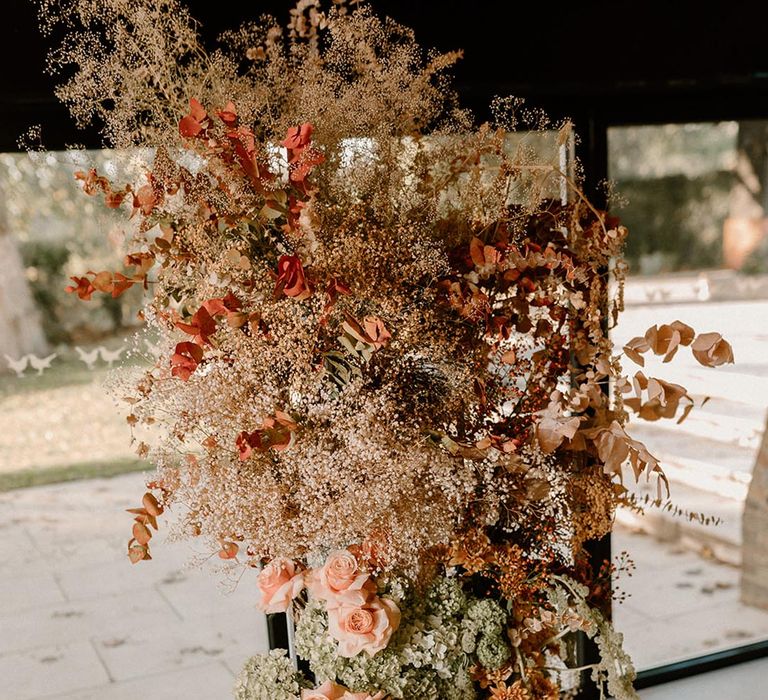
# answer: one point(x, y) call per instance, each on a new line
point(712, 350)
point(663, 398)
point(552, 430)
point(137, 553)
point(663, 340)
point(685, 413)
point(612, 448)
point(141, 533)
point(686, 332)
point(634, 348)
point(151, 504)
point(509, 357)
point(228, 550)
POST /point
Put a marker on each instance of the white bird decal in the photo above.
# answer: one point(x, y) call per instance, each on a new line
point(19, 365)
point(42, 363)
point(88, 357)
point(110, 356)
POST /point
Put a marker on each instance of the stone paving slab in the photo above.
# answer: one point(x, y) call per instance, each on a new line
point(185, 644)
point(209, 681)
point(680, 604)
point(21, 593)
point(79, 622)
point(31, 674)
point(744, 681)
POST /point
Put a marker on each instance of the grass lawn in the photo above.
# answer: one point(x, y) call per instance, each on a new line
point(69, 472)
point(61, 426)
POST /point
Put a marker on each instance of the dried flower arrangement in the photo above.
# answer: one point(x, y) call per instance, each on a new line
point(386, 360)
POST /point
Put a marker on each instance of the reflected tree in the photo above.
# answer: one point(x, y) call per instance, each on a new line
point(21, 331)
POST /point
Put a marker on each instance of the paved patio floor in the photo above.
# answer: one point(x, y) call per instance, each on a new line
point(79, 622)
point(680, 604)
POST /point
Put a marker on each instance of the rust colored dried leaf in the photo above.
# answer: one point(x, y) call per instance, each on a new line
point(712, 350)
point(634, 349)
point(137, 553)
point(151, 504)
point(141, 533)
point(228, 550)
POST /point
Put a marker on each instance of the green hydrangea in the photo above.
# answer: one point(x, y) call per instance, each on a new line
point(440, 637)
point(446, 598)
point(488, 614)
point(383, 671)
point(460, 687)
point(269, 677)
point(314, 644)
point(470, 629)
point(492, 651)
point(421, 685)
point(433, 643)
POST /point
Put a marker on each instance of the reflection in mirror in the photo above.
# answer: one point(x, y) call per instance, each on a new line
point(695, 197)
point(55, 351)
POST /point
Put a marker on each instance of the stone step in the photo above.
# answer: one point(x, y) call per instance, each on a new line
point(732, 429)
point(708, 474)
point(721, 407)
point(670, 444)
point(721, 541)
point(748, 388)
point(697, 287)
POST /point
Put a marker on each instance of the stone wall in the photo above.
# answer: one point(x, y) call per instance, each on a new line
point(754, 573)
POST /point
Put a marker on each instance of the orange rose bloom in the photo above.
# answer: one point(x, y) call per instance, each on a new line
point(279, 583)
point(367, 627)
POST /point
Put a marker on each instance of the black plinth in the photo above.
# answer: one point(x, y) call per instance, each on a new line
point(277, 631)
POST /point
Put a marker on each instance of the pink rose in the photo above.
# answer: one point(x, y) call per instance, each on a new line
point(341, 582)
point(366, 627)
point(362, 696)
point(279, 583)
point(327, 691)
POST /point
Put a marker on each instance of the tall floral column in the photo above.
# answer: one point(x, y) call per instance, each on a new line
point(380, 399)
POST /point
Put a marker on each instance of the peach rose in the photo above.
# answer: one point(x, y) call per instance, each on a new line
point(366, 627)
point(279, 583)
point(362, 696)
point(327, 691)
point(341, 582)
